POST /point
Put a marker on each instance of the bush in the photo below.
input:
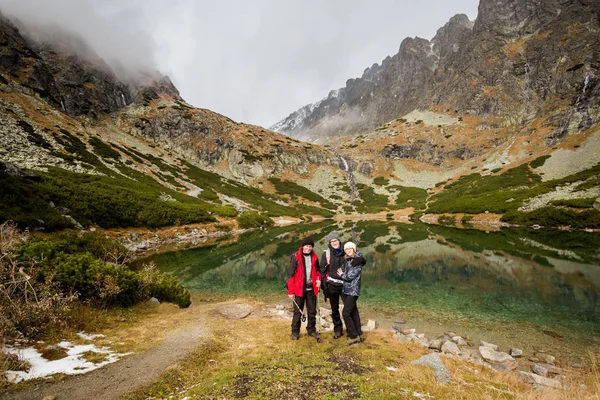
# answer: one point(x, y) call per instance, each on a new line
point(253, 219)
point(551, 216)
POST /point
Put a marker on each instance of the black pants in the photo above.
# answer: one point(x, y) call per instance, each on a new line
point(334, 300)
point(351, 316)
point(311, 307)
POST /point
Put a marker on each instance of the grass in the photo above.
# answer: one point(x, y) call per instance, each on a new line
point(259, 361)
point(371, 202)
point(381, 181)
point(575, 203)
point(411, 197)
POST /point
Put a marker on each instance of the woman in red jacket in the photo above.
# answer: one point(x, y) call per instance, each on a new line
point(303, 285)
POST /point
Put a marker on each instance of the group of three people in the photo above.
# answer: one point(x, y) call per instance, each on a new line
point(338, 274)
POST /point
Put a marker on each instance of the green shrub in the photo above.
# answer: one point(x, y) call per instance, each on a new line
point(103, 150)
point(411, 197)
point(253, 219)
point(575, 203)
point(381, 181)
point(371, 201)
point(293, 188)
point(553, 217)
point(538, 162)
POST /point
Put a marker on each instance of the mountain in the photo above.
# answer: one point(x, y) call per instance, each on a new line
point(519, 61)
point(496, 118)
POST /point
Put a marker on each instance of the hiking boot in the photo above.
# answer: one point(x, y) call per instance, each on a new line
point(294, 336)
point(352, 341)
point(362, 337)
point(338, 335)
point(316, 336)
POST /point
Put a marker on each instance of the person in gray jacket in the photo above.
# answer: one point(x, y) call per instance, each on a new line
point(351, 275)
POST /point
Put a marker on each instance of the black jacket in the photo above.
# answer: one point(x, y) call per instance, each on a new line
point(336, 261)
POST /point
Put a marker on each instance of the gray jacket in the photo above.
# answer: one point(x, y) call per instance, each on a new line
point(352, 274)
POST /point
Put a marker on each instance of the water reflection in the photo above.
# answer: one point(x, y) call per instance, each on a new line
point(546, 277)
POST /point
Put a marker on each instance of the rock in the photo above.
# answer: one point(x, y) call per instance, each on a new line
point(235, 311)
point(365, 328)
point(372, 324)
point(450, 347)
point(550, 369)
point(514, 352)
point(539, 369)
point(596, 204)
point(450, 334)
point(408, 331)
point(546, 358)
point(497, 359)
point(400, 321)
point(576, 364)
point(396, 328)
point(442, 375)
point(153, 300)
point(459, 341)
point(49, 397)
point(325, 312)
point(436, 344)
point(401, 337)
point(540, 380)
point(490, 345)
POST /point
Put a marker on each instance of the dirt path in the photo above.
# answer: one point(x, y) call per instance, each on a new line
point(124, 376)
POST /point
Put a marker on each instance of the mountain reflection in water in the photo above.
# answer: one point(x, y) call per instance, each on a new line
point(546, 277)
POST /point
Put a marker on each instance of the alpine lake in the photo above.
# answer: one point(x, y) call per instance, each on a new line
point(538, 290)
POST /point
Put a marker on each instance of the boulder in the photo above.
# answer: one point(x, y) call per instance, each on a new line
point(235, 311)
point(154, 300)
point(497, 359)
point(540, 380)
point(450, 347)
point(514, 352)
point(490, 345)
point(546, 358)
point(408, 331)
point(539, 369)
point(442, 375)
point(459, 341)
point(436, 344)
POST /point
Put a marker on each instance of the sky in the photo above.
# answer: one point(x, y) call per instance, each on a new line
point(253, 61)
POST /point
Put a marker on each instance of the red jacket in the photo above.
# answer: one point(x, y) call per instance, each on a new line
point(296, 274)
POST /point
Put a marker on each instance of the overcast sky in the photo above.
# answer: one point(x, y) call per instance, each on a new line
point(253, 61)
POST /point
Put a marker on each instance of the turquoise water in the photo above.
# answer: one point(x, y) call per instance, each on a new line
point(545, 277)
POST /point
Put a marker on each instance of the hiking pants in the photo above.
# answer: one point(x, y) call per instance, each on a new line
point(311, 307)
point(334, 300)
point(351, 316)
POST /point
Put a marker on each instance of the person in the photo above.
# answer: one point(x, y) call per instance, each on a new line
point(332, 260)
point(303, 286)
point(351, 275)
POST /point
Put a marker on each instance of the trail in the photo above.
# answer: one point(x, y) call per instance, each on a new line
point(117, 379)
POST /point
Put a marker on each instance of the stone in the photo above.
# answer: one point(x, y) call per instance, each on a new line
point(459, 340)
point(490, 345)
point(450, 347)
point(325, 312)
point(396, 328)
point(514, 352)
point(596, 204)
point(433, 361)
point(235, 311)
point(49, 397)
point(365, 328)
point(154, 300)
point(546, 358)
point(551, 369)
point(450, 334)
point(497, 359)
point(372, 324)
point(400, 321)
point(436, 344)
point(539, 380)
point(408, 331)
point(539, 369)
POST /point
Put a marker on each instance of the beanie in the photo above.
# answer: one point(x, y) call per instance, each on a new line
point(308, 241)
point(333, 235)
point(350, 245)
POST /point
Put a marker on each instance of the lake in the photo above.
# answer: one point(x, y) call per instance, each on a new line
point(525, 284)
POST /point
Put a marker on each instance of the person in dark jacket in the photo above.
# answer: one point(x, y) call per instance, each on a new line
point(351, 275)
point(303, 286)
point(331, 260)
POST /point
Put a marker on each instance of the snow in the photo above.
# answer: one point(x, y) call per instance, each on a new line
point(72, 364)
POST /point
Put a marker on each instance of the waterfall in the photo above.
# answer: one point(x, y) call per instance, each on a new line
point(346, 168)
point(123, 98)
point(62, 105)
point(348, 171)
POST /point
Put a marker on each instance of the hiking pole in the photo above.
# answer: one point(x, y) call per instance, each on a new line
point(303, 318)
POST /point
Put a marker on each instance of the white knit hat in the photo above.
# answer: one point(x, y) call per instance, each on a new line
point(350, 245)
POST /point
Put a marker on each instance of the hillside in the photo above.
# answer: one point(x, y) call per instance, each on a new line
point(82, 146)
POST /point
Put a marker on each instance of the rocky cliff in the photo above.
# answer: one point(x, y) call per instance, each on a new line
point(518, 61)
